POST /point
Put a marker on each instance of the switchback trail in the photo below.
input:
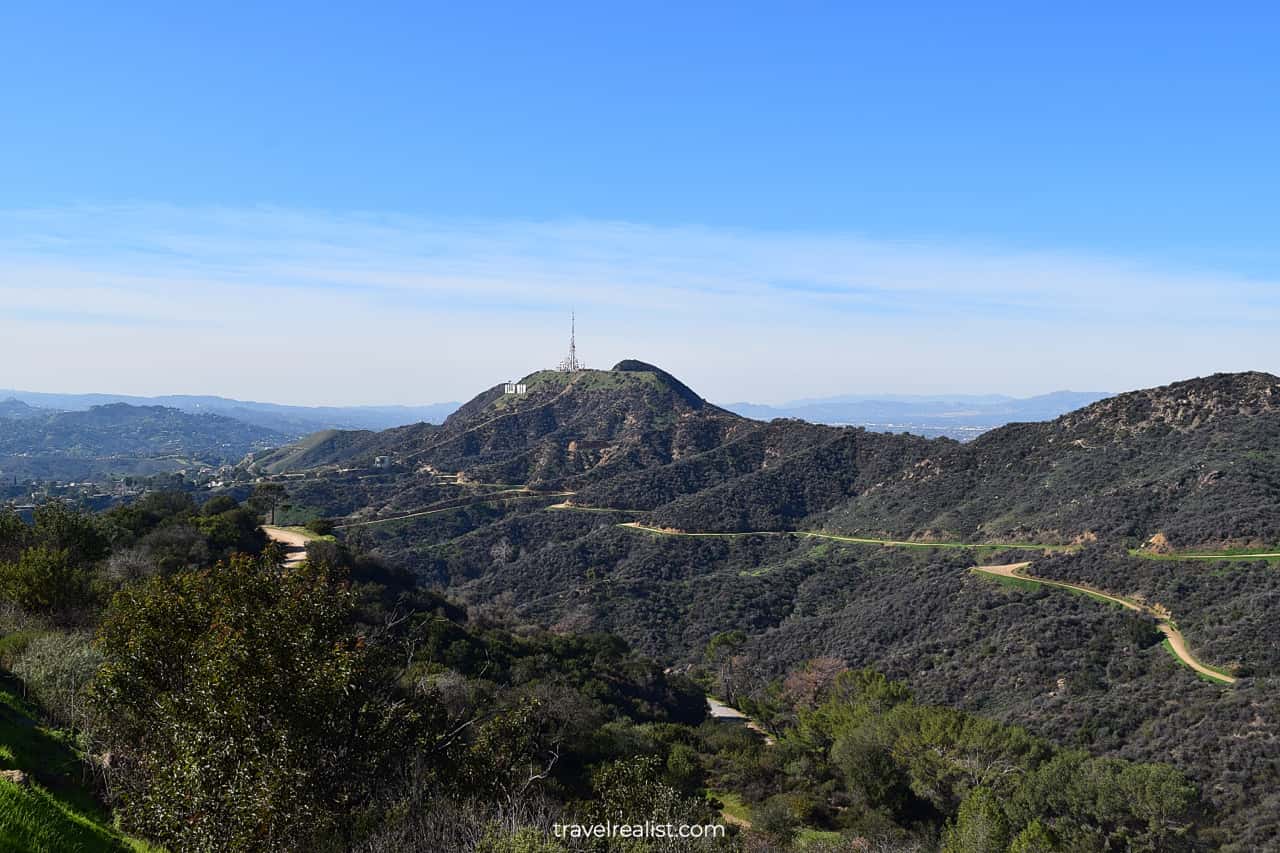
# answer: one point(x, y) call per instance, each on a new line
point(1177, 642)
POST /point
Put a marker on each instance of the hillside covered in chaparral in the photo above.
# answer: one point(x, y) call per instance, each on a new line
point(582, 505)
point(514, 619)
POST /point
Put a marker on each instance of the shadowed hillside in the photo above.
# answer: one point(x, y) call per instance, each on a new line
point(567, 428)
point(478, 508)
point(1196, 461)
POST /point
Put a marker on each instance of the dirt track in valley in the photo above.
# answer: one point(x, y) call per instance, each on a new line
point(1177, 641)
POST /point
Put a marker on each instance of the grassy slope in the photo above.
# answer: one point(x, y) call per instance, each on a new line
point(284, 458)
point(54, 811)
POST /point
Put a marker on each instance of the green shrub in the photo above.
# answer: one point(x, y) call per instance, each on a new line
point(13, 645)
point(245, 710)
point(59, 527)
point(522, 841)
point(219, 504)
point(320, 526)
point(777, 817)
point(44, 580)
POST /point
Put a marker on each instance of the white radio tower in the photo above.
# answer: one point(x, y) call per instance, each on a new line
point(571, 363)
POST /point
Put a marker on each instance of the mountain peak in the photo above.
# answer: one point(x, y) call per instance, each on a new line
point(555, 425)
point(631, 365)
point(1186, 404)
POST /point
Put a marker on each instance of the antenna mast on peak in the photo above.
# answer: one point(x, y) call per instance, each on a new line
point(571, 363)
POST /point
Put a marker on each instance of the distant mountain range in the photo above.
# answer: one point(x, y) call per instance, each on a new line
point(957, 416)
point(89, 436)
point(120, 439)
point(18, 410)
point(961, 416)
point(292, 421)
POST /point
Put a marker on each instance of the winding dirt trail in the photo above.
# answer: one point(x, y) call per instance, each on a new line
point(1247, 556)
point(1166, 626)
point(294, 543)
point(1164, 623)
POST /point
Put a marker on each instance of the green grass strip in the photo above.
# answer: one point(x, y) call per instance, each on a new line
point(1269, 554)
point(52, 811)
point(860, 540)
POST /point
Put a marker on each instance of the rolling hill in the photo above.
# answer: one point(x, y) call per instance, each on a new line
point(122, 439)
point(1194, 463)
point(292, 421)
point(18, 410)
point(567, 428)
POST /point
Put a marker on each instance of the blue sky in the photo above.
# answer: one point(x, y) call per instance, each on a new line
point(400, 202)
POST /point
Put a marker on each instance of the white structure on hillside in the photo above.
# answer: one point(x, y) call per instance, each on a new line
point(515, 388)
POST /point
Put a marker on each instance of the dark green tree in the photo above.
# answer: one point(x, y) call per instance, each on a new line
point(15, 534)
point(246, 712)
point(266, 497)
point(44, 580)
point(60, 527)
point(980, 826)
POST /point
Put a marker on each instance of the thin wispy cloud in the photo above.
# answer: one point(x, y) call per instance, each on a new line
point(326, 307)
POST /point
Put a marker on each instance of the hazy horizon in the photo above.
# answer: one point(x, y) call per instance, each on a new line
point(959, 395)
